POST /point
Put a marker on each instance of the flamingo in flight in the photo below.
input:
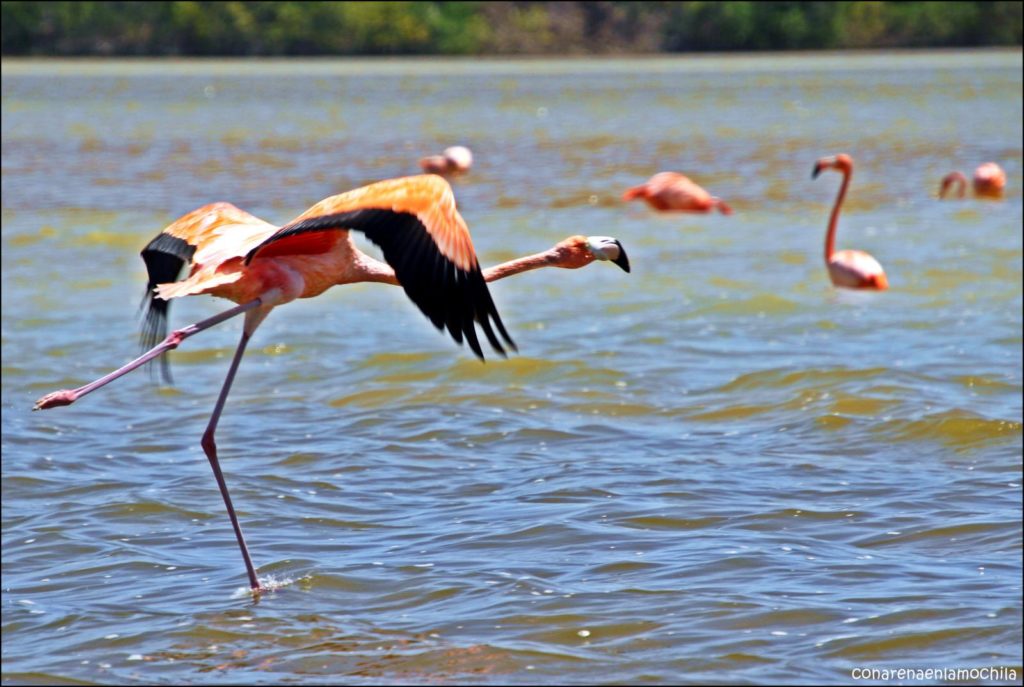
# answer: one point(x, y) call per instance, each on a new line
point(989, 182)
point(853, 269)
point(232, 254)
point(674, 192)
point(454, 160)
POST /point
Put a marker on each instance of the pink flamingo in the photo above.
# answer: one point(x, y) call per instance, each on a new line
point(989, 182)
point(853, 269)
point(232, 254)
point(454, 160)
point(674, 192)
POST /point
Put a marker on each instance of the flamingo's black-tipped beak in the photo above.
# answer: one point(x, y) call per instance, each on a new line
point(622, 261)
point(817, 170)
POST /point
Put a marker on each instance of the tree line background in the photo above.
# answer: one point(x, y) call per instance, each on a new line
point(494, 28)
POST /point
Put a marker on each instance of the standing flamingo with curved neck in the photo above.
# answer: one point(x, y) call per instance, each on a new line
point(232, 254)
point(989, 182)
point(853, 269)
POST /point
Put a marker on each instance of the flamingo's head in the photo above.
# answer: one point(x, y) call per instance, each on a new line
point(842, 162)
point(435, 164)
point(579, 251)
point(607, 248)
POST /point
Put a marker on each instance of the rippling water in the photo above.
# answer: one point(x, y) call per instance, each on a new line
point(715, 468)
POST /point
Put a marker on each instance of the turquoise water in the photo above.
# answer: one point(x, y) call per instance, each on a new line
point(715, 468)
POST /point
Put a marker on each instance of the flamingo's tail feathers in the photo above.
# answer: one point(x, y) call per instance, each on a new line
point(635, 192)
point(723, 207)
point(165, 256)
point(154, 328)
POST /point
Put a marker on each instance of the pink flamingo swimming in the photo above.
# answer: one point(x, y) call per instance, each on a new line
point(454, 160)
point(989, 182)
point(853, 269)
point(674, 192)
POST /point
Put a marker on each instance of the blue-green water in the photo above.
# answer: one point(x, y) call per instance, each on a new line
point(715, 468)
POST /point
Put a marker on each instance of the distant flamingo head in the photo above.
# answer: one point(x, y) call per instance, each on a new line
point(723, 207)
point(841, 162)
point(435, 164)
point(957, 178)
point(579, 251)
point(635, 192)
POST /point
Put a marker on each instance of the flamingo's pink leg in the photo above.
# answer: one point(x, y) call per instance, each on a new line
point(66, 397)
point(210, 448)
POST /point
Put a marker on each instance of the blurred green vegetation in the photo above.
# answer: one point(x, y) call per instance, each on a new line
point(494, 28)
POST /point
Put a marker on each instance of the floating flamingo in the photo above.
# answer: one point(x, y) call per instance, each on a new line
point(674, 192)
point(853, 269)
point(454, 160)
point(232, 254)
point(989, 182)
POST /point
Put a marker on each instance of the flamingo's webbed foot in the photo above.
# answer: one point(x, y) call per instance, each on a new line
point(64, 397)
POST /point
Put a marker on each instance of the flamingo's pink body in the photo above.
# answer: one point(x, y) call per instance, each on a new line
point(855, 269)
point(674, 192)
point(852, 269)
point(989, 182)
point(234, 255)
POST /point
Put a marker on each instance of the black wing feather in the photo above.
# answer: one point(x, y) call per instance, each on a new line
point(448, 295)
point(165, 257)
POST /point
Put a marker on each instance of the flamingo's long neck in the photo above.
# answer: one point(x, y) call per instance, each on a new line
point(830, 237)
point(524, 264)
point(372, 270)
point(961, 184)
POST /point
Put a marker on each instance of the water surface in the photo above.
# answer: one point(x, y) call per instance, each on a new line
point(715, 468)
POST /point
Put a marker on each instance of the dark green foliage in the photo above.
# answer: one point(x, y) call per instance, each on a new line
point(482, 28)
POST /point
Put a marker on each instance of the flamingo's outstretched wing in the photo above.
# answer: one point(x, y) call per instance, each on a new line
point(206, 237)
point(423, 238)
